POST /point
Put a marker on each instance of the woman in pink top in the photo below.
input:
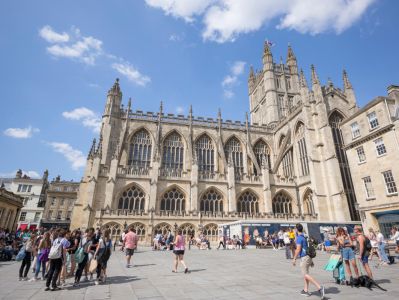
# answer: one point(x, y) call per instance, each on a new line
point(179, 251)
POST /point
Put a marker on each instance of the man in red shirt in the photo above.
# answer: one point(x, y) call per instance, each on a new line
point(130, 244)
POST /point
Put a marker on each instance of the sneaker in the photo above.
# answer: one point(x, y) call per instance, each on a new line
point(96, 282)
point(322, 292)
point(20, 279)
point(76, 284)
point(55, 289)
point(127, 266)
point(43, 278)
point(33, 279)
point(47, 289)
point(306, 294)
point(25, 279)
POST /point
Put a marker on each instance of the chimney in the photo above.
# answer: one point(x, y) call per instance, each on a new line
point(393, 92)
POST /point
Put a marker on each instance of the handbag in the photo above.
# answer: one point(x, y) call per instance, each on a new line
point(93, 265)
point(43, 256)
point(21, 254)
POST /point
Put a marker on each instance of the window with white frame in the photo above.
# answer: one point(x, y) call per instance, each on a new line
point(389, 182)
point(360, 154)
point(355, 130)
point(19, 187)
point(369, 187)
point(22, 217)
point(26, 199)
point(380, 147)
point(29, 188)
point(37, 217)
point(373, 121)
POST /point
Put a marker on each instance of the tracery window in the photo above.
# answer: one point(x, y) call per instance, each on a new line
point(173, 152)
point(140, 150)
point(132, 199)
point(303, 155)
point(262, 154)
point(248, 203)
point(233, 152)
point(211, 232)
point(162, 228)
point(115, 230)
point(288, 167)
point(173, 200)
point(211, 201)
point(187, 230)
point(205, 154)
point(140, 230)
point(308, 207)
point(282, 204)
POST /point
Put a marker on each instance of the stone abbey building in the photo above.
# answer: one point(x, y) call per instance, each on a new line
point(157, 171)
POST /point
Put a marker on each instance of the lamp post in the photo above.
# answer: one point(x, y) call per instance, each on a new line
point(176, 226)
point(124, 225)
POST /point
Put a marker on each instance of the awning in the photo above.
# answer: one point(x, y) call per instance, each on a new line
point(32, 227)
point(22, 227)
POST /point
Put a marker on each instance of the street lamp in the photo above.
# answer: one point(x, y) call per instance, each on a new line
point(176, 227)
point(125, 225)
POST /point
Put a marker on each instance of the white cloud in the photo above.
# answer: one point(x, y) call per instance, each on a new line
point(53, 37)
point(31, 174)
point(74, 46)
point(185, 9)
point(21, 133)
point(179, 109)
point(175, 37)
point(88, 118)
point(74, 156)
point(131, 73)
point(225, 20)
point(230, 80)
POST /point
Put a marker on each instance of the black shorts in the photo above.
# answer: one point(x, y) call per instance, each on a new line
point(129, 252)
point(178, 252)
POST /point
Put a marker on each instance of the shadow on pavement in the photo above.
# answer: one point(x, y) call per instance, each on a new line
point(196, 270)
point(146, 265)
point(110, 280)
point(332, 290)
point(379, 281)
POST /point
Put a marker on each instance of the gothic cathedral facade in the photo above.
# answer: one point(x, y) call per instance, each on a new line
point(157, 171)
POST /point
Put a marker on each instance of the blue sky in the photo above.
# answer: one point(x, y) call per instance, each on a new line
point(58, 60)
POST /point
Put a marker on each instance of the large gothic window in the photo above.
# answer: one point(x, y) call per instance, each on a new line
point(288, 167)
point(335, 124)
point(162, 228)
point(205, 154)
point(308, 207)
point(211, 201)
point(140, 150)
point(115, 230)
point(303, 155)
point(173, 153)
point(282, 204)
point(233, 152)
point(132, 199)
point(187, 230)
point(211, 232)
point(248, 203)
point(140, 230)
point(173, 200)
point(262, 154)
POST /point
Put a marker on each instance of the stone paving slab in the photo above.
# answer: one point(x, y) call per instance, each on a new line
point(231, 274)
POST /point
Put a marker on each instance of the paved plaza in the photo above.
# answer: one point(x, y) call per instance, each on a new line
point(230, 274)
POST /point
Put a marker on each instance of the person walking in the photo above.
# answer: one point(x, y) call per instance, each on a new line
point(42, 257)
point(381, 248)
point(222, 242)
point(84, 246)
point(179, 251)
point(306, 263)
point(395, 237)
point(56, 257)
point(102, 254)
point(130, 244)
point(287, 243)
point(364, 249)
point(27, 260)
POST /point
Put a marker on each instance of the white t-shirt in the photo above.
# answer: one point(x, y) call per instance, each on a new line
point(280, 235)
point(286, 238)
point(380, 238)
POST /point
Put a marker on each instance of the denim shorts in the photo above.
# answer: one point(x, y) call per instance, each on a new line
point(348, 254)
point(365, 259)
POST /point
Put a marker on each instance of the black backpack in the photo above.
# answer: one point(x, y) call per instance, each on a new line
point(367, 246)
point(107, 252)
point(311, 251)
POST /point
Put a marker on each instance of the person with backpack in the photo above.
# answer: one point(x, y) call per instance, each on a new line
point(55, 256)
point(306, 252)
point(348, 255)
point(27, 258)
point(42, 257)
point(102, 255)
point(364, 245)
point(75, 241)
point(82, 255)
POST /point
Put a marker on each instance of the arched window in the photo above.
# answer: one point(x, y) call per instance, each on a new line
point(162, 228)
point(335, 124)
point(173, 200)
point(233, 152)
point(116, 230)
point(248, 203)
point(132, 199)
point(187, 230)
point(211, 232)
point(308, 207)
point(205, 154)
point(211, 201)
point(140, 150)
point(282, 204)
point(280, 141)
point(262, 154)
point(303, 154)
point(173, 153)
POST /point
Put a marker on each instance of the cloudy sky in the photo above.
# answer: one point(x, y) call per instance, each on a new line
point(59, 59)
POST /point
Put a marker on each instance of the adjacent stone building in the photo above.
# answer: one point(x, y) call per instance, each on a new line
point(10, 206)
point(284, 162)
point(61, 197)
point(372, 147)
